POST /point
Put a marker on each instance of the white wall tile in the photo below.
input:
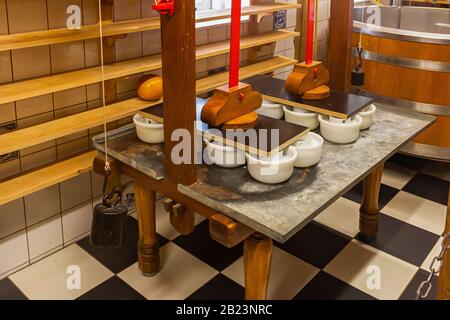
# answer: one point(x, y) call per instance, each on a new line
point(77, 221)
point(42, 205)
point(45, 236)
point(13, 251)
point(12, 217)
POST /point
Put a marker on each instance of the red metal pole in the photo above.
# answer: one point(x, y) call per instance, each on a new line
point(235, 45)
point(310, 32)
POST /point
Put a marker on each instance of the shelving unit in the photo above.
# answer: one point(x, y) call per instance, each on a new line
point(68, 80)
point(39, 179)
point(63, 35)
point(47, 131)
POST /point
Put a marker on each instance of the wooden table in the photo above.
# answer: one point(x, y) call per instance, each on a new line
point(242, 209)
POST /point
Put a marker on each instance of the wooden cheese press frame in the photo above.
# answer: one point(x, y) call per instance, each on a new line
point(178, 71)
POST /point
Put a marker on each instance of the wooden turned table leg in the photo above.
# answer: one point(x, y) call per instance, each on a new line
point(369, 211)
point(257, 261)
point(443, 291)
point(148, 246)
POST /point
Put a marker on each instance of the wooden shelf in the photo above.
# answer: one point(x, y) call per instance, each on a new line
point(23, 138)
point(210, 83)
point(54, 36)
point(42, 178)
point(63, 35)
point(258, 9)
point(68, 80)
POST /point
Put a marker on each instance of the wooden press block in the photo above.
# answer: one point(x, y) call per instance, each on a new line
point(318, 93)
point(227, 104)
point(340, 105)
point(302, 78)
point(247, 121)
point(288, 132)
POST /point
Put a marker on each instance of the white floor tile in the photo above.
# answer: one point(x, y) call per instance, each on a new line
point(358, 263)
point(181, 274)
point(288, 274)
point(396, 176)
point(342, 215)
point(417, 211)
point(47, 279)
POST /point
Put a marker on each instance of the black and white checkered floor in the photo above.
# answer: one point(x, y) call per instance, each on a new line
point(325, 260)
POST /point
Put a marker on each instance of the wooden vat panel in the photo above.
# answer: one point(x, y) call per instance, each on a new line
point(438, 134)
point(405, 83)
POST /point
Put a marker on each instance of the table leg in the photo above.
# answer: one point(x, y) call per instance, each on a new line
point(443, 292)
point(148, 246)
point(369, 211)
point(257, 261)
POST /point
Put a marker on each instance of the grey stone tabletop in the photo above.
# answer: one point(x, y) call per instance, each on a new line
point(279, 211)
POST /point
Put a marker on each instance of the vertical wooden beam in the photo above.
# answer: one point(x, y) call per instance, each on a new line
point(300, 42)
point(257, 262)
point(340, 44)
point(148, 245)
point(443, 291)
point(369, 211)
point(178, 70)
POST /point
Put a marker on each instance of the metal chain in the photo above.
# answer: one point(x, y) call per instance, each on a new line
point(425, 287)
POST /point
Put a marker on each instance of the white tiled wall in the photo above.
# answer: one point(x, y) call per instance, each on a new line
point(37, 225)
point(286, 47)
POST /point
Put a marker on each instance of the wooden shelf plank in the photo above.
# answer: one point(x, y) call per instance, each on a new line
point(42, 178)
point(246, 11)
point(63, 35)
point(28, 183)
point(207, 84)
point(68, 80)
point(221, 47)
point(47, 131)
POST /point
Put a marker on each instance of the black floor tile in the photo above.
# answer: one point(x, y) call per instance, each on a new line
point(386, 194)
point(408, 161)
point(402, 240)
point(428, 187)
point(200, 244)
point(326, 287)
point(8, 291)
point(410, 292)
point(119, 258)
point(112, 289)
point(316, 244)
point(219, 288)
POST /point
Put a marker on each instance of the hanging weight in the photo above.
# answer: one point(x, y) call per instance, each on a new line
point(108, 223)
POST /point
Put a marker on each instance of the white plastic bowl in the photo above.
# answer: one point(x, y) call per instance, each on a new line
point(271, 109)
point(340, 131)
point(273, 170)
point(301, 117)
point(224, 156)
point(148, 130)
point(368, 114)
point(309, 150)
